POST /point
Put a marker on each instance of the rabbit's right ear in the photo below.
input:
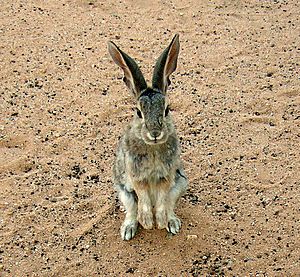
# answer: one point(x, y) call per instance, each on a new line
point(133, 76)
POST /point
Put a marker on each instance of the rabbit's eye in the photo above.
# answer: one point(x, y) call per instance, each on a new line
point(167, 111)
point(139, 113)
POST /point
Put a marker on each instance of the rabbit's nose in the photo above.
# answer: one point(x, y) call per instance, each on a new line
point(155, 134)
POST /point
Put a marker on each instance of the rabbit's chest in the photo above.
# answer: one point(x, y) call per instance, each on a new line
point(151, 168)
point(155, 169)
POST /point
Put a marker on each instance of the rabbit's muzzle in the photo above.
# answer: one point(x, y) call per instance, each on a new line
point(155, 136)
point(154, 131)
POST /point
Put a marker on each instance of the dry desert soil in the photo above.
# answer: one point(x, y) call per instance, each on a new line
point(235, 99)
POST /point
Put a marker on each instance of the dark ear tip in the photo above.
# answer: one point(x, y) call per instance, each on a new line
point(175, 40)
point(110, 44)
point(112, 48)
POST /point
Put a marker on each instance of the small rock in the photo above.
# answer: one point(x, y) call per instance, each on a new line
point(189, 237)
point(130, 270)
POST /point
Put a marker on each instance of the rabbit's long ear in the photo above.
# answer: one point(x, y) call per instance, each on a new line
point(166, 65)
point(133, 76)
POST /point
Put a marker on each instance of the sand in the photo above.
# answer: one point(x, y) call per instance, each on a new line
point(235, 101)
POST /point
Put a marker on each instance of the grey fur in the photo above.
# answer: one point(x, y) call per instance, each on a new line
point(148, 172)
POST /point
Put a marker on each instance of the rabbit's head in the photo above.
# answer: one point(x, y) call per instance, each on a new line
point(152, 118)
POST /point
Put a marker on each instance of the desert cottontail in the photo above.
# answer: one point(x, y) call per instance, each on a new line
point(148, 172)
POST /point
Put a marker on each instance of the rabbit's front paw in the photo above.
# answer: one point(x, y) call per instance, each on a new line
point(161, 219)
point(174, 225)
point(145, 218)
point(128, 229)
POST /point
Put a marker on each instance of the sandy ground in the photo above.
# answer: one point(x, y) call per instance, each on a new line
point(235, 100)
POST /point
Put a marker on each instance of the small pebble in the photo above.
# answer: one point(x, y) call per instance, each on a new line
point(192, 237)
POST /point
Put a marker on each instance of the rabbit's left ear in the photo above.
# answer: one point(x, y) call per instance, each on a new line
point(166, 65)
point(133, 76)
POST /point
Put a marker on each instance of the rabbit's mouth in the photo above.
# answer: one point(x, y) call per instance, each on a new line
point(155, 137)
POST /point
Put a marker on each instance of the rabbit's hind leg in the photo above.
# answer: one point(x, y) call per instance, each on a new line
point(130, 224)
point(175, 193)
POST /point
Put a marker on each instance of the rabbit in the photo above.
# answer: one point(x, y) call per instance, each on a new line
point(148, 172)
